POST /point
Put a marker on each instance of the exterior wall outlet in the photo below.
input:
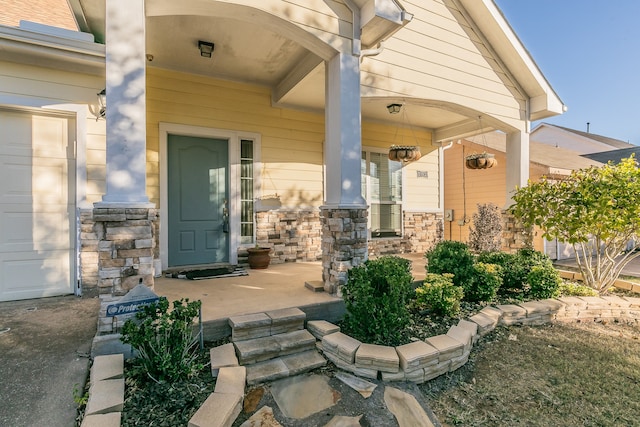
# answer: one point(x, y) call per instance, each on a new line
point(448, 214)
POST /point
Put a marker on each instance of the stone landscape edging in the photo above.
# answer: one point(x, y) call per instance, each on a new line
point(416, 362)
point(421, 361)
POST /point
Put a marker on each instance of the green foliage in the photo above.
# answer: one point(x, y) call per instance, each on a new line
point(376, 297)
point(515, 269)
point(440, 294)
point(164, 404)
point(451, 257)
point(485, 283)
point(166, 344)
point(573, 289)
point(485, 235)
point(594, 209)
point(544, 282)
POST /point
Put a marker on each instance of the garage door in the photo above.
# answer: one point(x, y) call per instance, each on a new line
point(37, 193)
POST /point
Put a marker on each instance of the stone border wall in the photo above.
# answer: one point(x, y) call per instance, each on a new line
point(422, 230)
point(421, 361)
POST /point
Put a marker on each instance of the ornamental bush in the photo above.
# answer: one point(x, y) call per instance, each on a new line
point(543, 281)
point(376, 296)
point(485, 283)
point(573, 289)
point(439, 294)
point(165, 341)
point(453, 258)
point(485, 235)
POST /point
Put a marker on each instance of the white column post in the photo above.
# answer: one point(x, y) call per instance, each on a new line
point(343, 145)
point(126, 103)
point(517, 163)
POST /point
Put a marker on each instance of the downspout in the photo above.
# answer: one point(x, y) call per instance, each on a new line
point(441, 150)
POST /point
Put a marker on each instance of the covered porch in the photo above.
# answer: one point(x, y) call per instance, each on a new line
point(280, 286)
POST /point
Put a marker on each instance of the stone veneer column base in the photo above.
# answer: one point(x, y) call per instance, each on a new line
point(125, 244)
point(344, 244)
point(514, 235)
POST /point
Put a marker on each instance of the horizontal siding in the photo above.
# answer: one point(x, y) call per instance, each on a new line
point(292, 141)
point(422, 194)
point(465, 188)
point(439, 56)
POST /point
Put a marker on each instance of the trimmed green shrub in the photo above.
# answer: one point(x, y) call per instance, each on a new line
point(166, 344)
point(440, 294)
point(376, 297)
point(451, 257)
point(573, 289)
point(543, 281)
point(485, 283)
point(516, 269)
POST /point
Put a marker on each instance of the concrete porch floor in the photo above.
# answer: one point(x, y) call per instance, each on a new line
point(279, 286)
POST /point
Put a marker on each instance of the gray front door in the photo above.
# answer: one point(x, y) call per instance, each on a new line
point(198, 187)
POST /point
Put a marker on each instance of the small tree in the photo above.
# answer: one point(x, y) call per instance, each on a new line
point(597, 210)
point(485, 235)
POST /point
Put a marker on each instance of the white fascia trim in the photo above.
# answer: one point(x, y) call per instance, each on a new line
point(27, 42)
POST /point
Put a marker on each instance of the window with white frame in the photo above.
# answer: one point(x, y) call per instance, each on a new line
point(247, 225)
point(382, 188)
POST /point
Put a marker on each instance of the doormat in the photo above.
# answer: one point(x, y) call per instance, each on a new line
point(210, 273)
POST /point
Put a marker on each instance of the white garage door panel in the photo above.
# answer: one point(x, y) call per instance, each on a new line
point(37, 210)
point(34, 274)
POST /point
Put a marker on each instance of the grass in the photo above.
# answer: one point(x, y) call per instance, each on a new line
point(554, 375)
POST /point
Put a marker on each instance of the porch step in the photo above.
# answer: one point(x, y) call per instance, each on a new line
point(266, 324)
point(266, 348)
point(282, 367)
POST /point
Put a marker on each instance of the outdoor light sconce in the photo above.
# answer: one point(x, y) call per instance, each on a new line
point(102, 104)
point(206, 48)
point(394, 108)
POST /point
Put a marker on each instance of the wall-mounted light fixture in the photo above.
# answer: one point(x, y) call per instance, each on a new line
point(206, 48)
point(394, 108)
point(102, 104)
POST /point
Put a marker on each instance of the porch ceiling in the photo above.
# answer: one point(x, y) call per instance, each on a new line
point(256, 55)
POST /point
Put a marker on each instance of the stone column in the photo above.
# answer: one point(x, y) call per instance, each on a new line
point(125, 248)
point(514, 235)
point(344, 244)
point(344, 216)
point(124, 219)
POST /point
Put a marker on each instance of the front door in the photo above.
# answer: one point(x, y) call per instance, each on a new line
point(198, 208)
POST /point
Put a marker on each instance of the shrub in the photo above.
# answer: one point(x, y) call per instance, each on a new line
point(166, 344)
point(451, 257)
point(485, 235)
point(440, 294)
point(485, 283)
point(376, 297)
point(573, 289)
point(543, 281)
point(516, 269)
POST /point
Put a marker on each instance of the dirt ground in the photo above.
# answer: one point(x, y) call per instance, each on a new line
point(43, 356)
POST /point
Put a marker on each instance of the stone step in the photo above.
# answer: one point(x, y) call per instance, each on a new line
point(266, 348)
point(285, 366)
point(258, 325)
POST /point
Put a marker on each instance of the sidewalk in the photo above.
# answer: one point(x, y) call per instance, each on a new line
point(43, 357)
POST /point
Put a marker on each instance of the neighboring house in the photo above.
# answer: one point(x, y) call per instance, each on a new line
point(236, 123)
point(575, 140)
point(559, 151)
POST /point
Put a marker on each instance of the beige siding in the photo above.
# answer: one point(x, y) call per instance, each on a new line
point(292, 141)
point(439, 56)
point(465, 188)
point(35, 86)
